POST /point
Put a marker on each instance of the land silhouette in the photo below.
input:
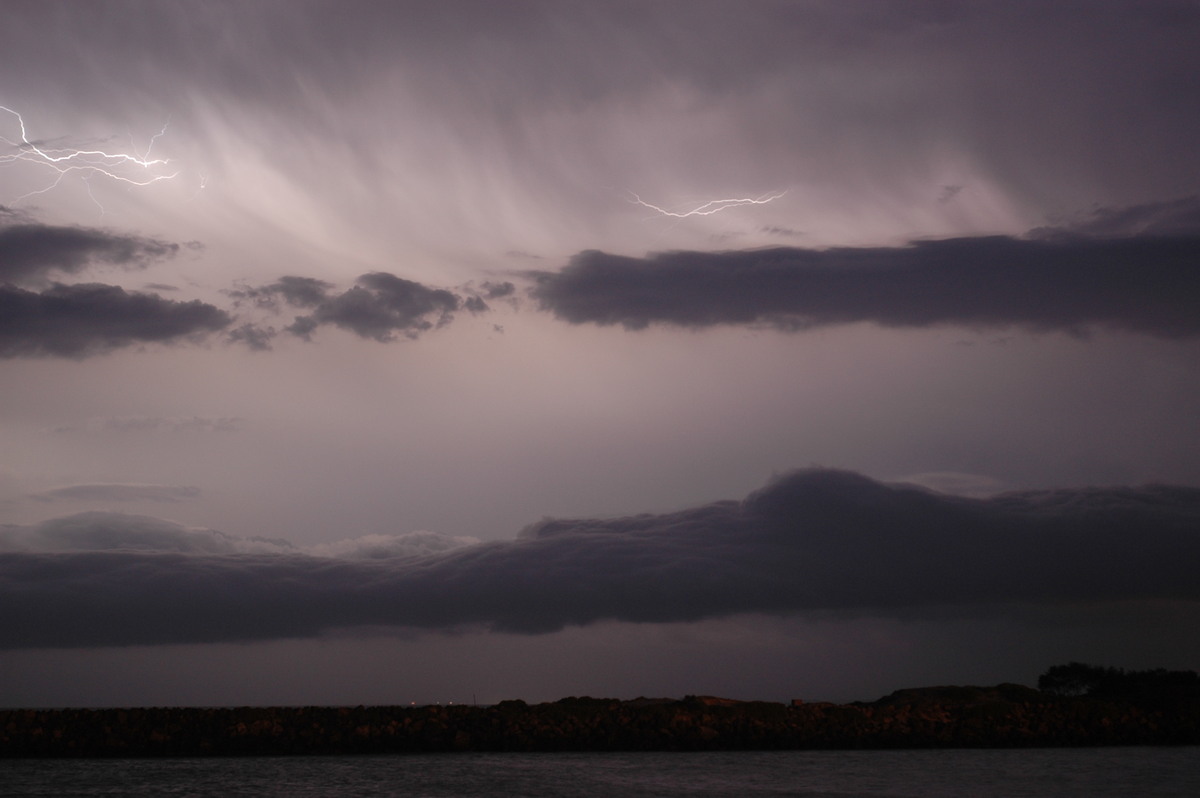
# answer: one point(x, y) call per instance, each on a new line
point(1075, 705)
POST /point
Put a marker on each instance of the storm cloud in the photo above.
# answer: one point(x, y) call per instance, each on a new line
point(952, 180)
point(88, 319)
point(28, 250)
point(1134, 269)
point(811, 540)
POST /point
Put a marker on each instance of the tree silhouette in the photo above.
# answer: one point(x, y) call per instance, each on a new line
point(1077, 678)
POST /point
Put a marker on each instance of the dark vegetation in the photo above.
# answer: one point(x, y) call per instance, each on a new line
point(1078, 705)
point(1076, 678)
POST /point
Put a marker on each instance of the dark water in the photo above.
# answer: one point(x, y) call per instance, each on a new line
point(1061, 773)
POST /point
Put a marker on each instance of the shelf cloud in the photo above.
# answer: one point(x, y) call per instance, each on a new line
point(808, 541)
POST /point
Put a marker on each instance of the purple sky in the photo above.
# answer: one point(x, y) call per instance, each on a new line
point(414, 352)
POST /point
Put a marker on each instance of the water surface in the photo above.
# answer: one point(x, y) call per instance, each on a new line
point(1028, 773)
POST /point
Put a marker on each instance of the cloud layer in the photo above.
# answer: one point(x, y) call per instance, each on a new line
point(1130, 268)
point(79, 320)
point(812, 540)
point(49, 318)
point(1134, 269)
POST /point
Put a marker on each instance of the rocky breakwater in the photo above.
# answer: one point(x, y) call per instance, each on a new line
point(1002, 716)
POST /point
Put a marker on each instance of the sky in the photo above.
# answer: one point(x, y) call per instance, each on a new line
point(369, 352)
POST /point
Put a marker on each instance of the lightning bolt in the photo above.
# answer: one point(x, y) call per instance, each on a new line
point(123, 167)
point(710, 207)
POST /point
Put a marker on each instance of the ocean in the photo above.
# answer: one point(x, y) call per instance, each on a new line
point(962, 773)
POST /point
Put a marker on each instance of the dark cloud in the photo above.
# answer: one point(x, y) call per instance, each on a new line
point(498, 290)
point(120, 493)
point(303, 292)
point(381, 306)
point(1135, 269)
point(252, 335)
point(88, 319)
point(477, 302)
point(28, 251)
point(812, 540)
point(303, 327)
point(780, 231)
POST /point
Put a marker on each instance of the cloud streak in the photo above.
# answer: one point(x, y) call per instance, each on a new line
point(119, 493)
point(1134, 269)
point(155, 424)
point(811, 540)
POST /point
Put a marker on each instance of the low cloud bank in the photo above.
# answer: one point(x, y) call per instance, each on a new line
point(42, 317)
point(30, 250)
point(88, 319)
point(811, 540)
point(1134, 269)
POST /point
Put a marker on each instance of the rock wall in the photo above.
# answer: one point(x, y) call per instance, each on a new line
point(1002, 716)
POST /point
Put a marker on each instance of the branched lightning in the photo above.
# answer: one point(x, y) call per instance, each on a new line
point(710, 207)
point(124, 167)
